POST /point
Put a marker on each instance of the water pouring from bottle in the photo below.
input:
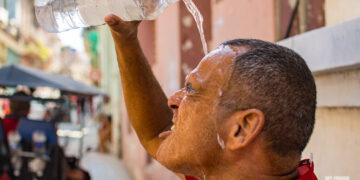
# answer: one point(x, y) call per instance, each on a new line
point(199, 21)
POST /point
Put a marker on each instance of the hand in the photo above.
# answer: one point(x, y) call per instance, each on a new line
point(122, 29)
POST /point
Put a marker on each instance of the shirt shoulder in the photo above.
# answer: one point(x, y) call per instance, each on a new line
point(306, 170)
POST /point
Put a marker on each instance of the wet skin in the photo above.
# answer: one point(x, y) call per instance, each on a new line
point(192, 147)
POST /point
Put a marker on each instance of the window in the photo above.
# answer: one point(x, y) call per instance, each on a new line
point(3, 3)
point(11, 7)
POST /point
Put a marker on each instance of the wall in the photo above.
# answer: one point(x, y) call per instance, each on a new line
point(341, 10)
point(335, 143)
point(333, 56)
point(233, 19)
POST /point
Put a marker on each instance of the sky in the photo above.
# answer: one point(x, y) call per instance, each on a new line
point(72, 39)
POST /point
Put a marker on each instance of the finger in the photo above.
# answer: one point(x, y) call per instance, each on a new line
point(113, 20)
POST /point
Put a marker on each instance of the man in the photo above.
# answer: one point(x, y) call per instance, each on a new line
point(246, 112)
point(105, 133)
point(19, 108)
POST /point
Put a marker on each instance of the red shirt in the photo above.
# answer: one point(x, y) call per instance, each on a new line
point(10, 123)
point(306, 171)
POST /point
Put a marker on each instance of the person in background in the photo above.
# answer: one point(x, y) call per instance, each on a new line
point(105, 132)
point(47, 115)
point(19, 108)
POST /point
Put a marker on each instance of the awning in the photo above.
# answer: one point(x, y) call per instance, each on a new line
point(14, 75)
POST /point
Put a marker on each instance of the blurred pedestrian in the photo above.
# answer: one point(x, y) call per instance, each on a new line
point(19, 108)
point(105, 133)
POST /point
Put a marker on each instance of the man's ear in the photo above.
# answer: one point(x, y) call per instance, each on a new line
point(243, 127)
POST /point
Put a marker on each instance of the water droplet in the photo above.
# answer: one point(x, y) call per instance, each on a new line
point(221, 142)
point(203, 174)
point(220, 92)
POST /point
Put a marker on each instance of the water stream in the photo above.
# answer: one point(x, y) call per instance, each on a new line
point(199, 21)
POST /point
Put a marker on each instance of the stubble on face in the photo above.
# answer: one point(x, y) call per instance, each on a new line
point(193, 142)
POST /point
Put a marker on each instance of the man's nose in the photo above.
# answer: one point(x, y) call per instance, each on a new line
point(175, 100)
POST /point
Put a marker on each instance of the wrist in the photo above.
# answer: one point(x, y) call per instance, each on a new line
point(124, 39)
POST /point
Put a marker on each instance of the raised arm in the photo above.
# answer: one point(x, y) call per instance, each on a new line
point(145, 101)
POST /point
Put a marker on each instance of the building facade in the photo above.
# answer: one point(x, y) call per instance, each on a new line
point(23, 41)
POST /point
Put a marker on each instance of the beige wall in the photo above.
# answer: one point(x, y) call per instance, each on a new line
point(335, 143)
point(339, 89)
point(337, 11)
point(167, 59)
point(233, 19)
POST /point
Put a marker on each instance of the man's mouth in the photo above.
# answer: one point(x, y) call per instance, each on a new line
point(167, 133)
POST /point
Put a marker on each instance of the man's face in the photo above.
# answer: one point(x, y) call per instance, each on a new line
point(193, 143)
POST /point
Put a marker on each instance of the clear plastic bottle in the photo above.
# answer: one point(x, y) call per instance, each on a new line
point(37, 165)
point(63, 15)
point(39, 142)
point(14, 140)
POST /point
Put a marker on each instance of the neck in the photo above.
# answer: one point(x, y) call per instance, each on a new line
point(253, 167)
point(243, 174)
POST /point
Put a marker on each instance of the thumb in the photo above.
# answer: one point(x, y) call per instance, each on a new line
point(113, 20)
point(118, 24)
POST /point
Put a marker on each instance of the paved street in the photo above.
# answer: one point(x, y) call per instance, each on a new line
point(100, 166)
point(104, 166)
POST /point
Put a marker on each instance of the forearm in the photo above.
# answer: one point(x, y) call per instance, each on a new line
point(145, 100)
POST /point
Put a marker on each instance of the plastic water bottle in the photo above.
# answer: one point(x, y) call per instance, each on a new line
point(39, 142)
point(63, 15)
point(14, 140)
point(37, 165)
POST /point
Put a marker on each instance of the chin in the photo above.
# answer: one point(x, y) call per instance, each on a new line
point(169, 157)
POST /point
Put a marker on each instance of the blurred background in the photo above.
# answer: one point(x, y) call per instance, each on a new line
point(324, 32)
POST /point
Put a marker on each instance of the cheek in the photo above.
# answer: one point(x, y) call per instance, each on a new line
point(195, 138)
point(192, 115)
point(196, 122)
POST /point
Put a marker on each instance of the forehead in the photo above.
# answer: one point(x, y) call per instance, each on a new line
point(215, 66)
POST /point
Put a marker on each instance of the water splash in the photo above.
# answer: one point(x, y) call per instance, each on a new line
point(203, 174)
point(199, 21)
point(221, 142)
point(220, 92)
point(222, 51)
